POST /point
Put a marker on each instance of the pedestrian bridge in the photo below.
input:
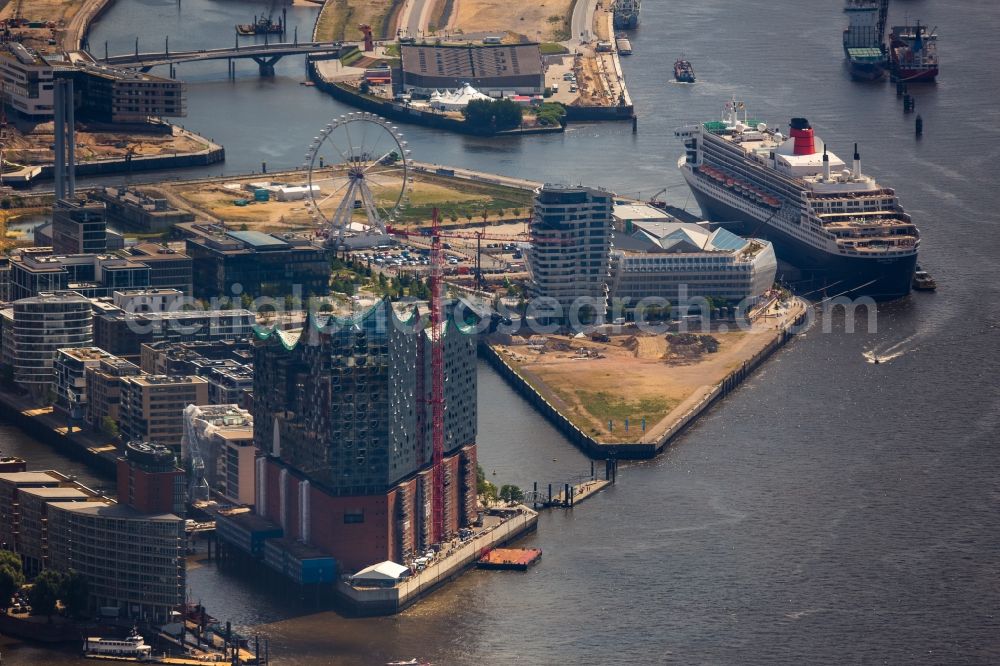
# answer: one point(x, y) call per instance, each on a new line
point(265, 55)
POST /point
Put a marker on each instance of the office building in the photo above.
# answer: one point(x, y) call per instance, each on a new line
point(152, 407)
point(26, 81)
point(218, 448)
point(149, 479)
point(187, 358)
point(228, 263)
point(569, 259)
point(495, 69)
point(674, 262)
point(169, 268)
point(138, 211)
point(79, 226)
point(34, 270)
point(123, 333)
point(43, 325)
point(345, 417)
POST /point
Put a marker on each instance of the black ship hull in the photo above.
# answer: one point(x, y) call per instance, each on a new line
point(882, 279)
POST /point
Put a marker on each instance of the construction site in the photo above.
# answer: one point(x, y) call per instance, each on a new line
point(668, 373)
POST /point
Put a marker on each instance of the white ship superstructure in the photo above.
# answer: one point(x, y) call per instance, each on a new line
point(823, 216)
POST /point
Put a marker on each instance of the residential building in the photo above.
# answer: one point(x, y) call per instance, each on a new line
point(26, 81)
point(231, 263)
point(569, 259)
point(218, 447)
point(187, 358)
point(677, 262)
point(345, 417)
point(152, 407)
point(43, 325)
point(79, 226)
point(104, 387)
point(71, 378)
point(132, 561)
point(111, 95)
point(495, 69)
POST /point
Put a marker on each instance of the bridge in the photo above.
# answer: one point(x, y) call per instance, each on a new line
point(265, 55)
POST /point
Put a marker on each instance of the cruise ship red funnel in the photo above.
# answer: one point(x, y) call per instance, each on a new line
point(803, 134)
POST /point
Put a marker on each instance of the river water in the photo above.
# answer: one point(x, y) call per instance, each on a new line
point(829, 511)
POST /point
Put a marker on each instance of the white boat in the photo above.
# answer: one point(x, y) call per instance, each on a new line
point(133, 646)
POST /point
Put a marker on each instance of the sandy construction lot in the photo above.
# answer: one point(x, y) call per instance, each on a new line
point(545, 21)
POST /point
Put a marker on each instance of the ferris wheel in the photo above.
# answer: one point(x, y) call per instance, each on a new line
point(359, 176)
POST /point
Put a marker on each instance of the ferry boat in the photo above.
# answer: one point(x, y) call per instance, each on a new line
point(683, 71)
point(838, 226)
point(864, 38)
point(134, 646)
point(625, 14)
point(913, 53)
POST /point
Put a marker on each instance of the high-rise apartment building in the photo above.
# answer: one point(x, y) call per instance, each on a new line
point(570, 256)
point(43, 325)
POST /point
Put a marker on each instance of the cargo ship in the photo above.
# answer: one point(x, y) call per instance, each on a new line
point(913, 53)
point(261, 26)
point(864, 39)
point(843, 232)
point(626, 14)
point(683, 71)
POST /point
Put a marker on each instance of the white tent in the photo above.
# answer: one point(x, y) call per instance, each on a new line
point(456, 100)
point(383, 573)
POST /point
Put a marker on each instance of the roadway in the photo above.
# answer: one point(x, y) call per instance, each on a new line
point(582, 22)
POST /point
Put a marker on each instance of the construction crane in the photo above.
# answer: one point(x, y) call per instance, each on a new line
point(437, 366)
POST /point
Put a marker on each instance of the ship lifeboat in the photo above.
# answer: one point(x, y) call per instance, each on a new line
point(729, 183)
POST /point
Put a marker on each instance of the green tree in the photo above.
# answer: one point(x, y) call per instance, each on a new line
point(511, 493)
point(110, 426)
point(11, 578)
point(75, 593)
point(484, 488)
point(45, 593)
point(493, 115)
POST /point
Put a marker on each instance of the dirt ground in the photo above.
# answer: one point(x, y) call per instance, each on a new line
point(544, 21)
point(36, 147)
point(455, 199)
point(633, 377)
point(340, 19)
point(56, 12)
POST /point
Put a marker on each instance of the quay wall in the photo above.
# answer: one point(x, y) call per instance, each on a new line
point(393, 111)
point(632, 450)
point(213, 155)
point(72, 445)
point(387, 601)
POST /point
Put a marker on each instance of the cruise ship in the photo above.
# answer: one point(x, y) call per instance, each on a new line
point(843, 231)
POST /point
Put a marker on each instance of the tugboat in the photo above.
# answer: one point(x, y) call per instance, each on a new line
point(683, 71)
point(922, 281)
